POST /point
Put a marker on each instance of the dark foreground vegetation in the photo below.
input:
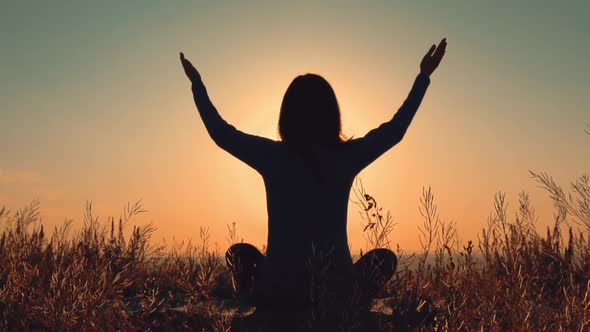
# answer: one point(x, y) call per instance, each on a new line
point(109, 276)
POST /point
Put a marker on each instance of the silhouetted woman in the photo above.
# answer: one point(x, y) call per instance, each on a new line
point(308, 176)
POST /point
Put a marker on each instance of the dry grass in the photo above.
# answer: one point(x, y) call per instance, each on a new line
point(109, 276)
point(99, 279)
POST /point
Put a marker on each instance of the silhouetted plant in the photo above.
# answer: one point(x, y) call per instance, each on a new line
point(377, 227)
point(576, 204)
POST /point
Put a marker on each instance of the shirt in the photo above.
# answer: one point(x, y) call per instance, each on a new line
point(307, 194)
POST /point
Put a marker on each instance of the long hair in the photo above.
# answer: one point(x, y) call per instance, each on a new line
point(310, 113)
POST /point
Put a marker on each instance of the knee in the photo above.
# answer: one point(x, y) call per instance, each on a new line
point(387, 257)
point(381, 260)
point(386, 260)
point(242, 250)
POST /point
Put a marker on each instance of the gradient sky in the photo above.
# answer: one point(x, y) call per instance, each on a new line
point(94, 104)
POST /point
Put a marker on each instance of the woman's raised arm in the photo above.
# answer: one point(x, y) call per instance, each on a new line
point(366, 149)
point(251, 149)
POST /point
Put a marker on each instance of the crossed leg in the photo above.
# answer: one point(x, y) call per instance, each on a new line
point(374, 269)
point(243, 259)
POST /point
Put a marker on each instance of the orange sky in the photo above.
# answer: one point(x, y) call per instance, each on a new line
point(96, 106)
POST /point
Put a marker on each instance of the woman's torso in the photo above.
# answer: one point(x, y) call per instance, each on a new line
point(307, 201)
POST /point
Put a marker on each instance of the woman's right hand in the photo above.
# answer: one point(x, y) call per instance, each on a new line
point(433, 57)
point(190, 71)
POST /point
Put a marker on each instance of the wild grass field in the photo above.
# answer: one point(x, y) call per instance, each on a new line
point(111, 276)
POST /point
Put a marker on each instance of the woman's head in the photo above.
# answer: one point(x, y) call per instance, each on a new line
point(310, 112)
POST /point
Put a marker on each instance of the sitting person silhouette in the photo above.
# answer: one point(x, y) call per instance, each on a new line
point(308, 176)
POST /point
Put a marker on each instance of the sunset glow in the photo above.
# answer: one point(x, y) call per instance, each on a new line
point(94, 105)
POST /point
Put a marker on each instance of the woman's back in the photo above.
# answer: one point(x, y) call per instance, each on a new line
point(307, 198)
